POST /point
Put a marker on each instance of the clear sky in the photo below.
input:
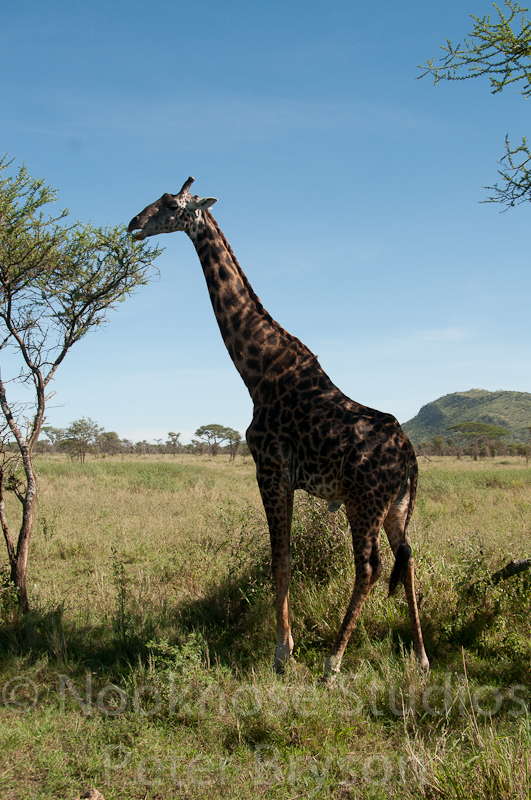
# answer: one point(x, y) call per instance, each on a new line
point(349, 191)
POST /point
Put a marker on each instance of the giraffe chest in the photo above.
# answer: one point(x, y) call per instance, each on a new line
point(305, 445)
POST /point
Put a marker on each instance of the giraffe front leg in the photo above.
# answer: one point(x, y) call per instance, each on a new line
point(284, 648)
point(278, 505)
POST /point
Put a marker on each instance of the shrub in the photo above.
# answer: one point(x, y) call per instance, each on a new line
point(320, 547)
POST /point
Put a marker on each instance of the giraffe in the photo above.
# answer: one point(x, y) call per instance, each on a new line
point(305, 433)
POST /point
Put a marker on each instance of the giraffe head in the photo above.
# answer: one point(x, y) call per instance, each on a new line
point(172, 212)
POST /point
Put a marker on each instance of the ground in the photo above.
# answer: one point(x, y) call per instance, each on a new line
point(144, 668)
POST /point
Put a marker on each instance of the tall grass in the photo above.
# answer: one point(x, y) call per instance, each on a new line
point(144, 668)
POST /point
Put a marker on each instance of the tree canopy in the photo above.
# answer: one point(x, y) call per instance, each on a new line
point(80, 436)
point(473, 430)
point(214, 434)
point(501, 50)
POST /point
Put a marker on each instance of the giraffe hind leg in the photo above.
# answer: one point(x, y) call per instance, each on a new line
point(366, 545)
point(404, 570)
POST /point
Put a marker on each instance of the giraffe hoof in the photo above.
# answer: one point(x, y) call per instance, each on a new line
point(331, 670)
point(281, 666)
point(328, 680)
point(424, 664)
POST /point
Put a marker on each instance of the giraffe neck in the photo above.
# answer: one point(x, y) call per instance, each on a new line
point(258, 346)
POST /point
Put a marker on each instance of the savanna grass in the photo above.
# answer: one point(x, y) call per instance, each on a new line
point(144, 668)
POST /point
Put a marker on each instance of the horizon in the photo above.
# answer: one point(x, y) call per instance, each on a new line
point(185, 437)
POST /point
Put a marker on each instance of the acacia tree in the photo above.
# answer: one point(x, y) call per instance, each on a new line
point(213, 435)
point(109, 443)
point(234, 439)
point(172, 442)
point(54, 435)
point(476, 433)
point(80, 436)
point(57, 282)
point(500, 50)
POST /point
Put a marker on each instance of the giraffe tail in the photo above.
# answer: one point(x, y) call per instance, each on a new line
point(403, 488)
point(403, 554)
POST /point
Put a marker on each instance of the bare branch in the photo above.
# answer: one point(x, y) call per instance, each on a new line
point(516, 176)
point(512, 568)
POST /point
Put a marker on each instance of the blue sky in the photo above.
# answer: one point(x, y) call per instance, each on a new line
point(349, 191)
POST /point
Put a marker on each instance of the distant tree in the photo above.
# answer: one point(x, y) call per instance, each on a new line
point(57, 282)
point(454, 448)
point(109, 443)
point(501, 50)
point(234, 439)
point(198, 448)
point(54, 435)
point(526, 448)
point(127, 446)
point(81, 437)
point(172, 443)
point(479, 436)
point(437, 444)
point(525, 451)
point(43, 447)
point(213, 435)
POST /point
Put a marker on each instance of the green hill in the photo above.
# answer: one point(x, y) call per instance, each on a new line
point(511, 410)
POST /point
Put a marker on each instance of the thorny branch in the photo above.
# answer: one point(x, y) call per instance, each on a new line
point(501, 51)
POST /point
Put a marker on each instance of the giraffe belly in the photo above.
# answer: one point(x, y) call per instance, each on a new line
point(324, 483)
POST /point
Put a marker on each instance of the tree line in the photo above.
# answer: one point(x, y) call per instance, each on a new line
point(84, 436)
point(475, 439)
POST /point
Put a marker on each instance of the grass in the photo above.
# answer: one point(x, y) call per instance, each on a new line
point(144, 668)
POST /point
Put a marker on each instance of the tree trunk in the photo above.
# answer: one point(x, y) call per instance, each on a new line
point(18, 556)
point(18, 577)
point(19, 564)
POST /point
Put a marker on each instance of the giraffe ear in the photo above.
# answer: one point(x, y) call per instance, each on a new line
point(205, 203)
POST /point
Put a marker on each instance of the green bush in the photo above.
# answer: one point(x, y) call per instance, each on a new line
point(320, 547)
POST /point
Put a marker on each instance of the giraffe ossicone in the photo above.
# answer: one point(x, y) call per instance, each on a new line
point(305, 433)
